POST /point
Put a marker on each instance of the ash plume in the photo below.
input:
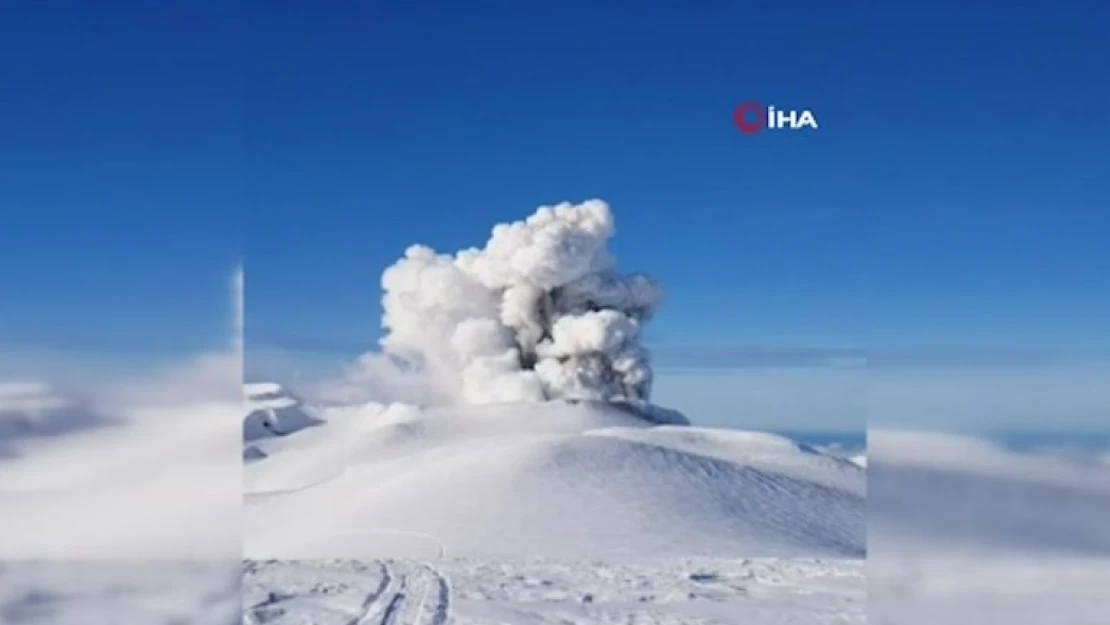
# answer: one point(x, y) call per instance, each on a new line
point(539, 313)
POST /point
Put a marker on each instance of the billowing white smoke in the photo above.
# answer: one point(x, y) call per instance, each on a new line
point(539, 313)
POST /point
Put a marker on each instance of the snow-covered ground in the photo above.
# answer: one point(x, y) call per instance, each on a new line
point(544, 591)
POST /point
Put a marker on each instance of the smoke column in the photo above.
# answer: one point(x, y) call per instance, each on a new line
point(539, 313)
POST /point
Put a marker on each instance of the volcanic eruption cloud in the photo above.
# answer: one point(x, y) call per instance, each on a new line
point(540, 313)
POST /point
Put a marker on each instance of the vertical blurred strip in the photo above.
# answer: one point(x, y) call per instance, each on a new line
point(989, 487)
point(120, 313)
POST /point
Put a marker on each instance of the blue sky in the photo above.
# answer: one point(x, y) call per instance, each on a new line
point(122, 178)
point(954, 195)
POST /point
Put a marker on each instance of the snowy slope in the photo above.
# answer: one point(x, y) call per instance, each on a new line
point(559, 480)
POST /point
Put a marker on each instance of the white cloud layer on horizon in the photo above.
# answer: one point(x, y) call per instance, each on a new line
point(811, 398)
point(1050, 396)
point(539, 313)
point(116, 464)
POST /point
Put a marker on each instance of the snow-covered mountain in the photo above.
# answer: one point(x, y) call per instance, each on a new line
point(556, 479)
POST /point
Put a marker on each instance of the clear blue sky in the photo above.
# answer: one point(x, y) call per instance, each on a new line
point(121, 176)
point(956, 192)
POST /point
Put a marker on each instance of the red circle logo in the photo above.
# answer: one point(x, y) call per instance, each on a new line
point(750, 117)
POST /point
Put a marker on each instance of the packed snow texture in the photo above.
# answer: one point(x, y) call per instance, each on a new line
point(553, 479)
point(550, 592)
point(539, 313)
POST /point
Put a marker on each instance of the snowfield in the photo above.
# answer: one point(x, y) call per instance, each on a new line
point(540, 592)
point(559, 480)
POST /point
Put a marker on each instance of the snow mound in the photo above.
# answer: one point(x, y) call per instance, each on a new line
point(556, 479)
point(273, 411)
